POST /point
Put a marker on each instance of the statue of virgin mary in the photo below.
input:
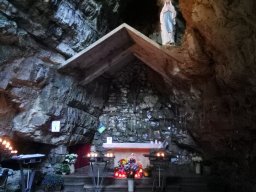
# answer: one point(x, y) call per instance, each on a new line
point(167, 20)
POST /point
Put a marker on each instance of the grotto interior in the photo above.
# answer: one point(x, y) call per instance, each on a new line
point(75, 62)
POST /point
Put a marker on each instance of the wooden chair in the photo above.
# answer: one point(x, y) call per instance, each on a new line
point(3, 180)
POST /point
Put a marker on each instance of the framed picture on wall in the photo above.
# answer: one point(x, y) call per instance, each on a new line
point(109, 139)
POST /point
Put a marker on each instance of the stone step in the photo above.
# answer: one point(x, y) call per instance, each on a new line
point(148, 188)
point(139, 188)
point(83, 183)
point(144, 180)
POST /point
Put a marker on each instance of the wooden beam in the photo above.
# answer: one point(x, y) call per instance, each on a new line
point(163, 65)
point(104, 66)
point(155, 60)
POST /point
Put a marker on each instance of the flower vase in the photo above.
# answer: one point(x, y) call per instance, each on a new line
point(130, 185)
point(72, 168)
point(198, 168)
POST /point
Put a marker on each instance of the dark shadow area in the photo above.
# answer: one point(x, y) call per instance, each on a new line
point(30, 147)
point(180, 23)
point(142, 15)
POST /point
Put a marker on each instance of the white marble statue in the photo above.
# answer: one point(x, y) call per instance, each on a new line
point(167, 20)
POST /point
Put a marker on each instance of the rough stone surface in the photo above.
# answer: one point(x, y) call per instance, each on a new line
point(33, 93)
point(137, 112)
point(214, 76)
point(41, 95)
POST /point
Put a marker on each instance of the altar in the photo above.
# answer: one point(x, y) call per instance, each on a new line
point(124, 151)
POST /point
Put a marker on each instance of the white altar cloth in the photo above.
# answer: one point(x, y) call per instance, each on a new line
point(132, 145)
point(124, 151)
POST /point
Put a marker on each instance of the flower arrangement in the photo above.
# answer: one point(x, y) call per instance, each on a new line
point(51, 182)
point(70, 158)
point(129, 169)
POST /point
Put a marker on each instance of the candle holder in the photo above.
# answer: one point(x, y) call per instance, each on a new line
point(6, 148)
point(160, 154)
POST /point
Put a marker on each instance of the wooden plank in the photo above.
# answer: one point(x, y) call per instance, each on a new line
point(146, 42)
point(154, 60)
point(116, 68)
point(111, 51)
point(118, 37)
point(104, 66)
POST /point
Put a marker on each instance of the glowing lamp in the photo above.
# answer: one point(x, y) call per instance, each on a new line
point(14, 152)
point(7, 145)
point(109, 155)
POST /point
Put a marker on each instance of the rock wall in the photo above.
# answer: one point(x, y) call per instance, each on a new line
point(35, 39)
point(41, 95)
point(220, 42)
point(136, 111)
point(65, 26)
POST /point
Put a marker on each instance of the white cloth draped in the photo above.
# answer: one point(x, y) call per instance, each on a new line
point(167, 20)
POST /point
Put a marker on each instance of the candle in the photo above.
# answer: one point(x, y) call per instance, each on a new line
point(98, 176)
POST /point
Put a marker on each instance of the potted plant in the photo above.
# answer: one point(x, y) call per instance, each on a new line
point(62, 168)
point(70, 159)
point(52, 182)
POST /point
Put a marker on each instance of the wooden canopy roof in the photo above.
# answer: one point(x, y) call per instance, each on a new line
point(116, 49)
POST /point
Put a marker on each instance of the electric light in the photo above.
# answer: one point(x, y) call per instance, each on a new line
point(92, 154)
point(109, 155)
point(7, 145)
